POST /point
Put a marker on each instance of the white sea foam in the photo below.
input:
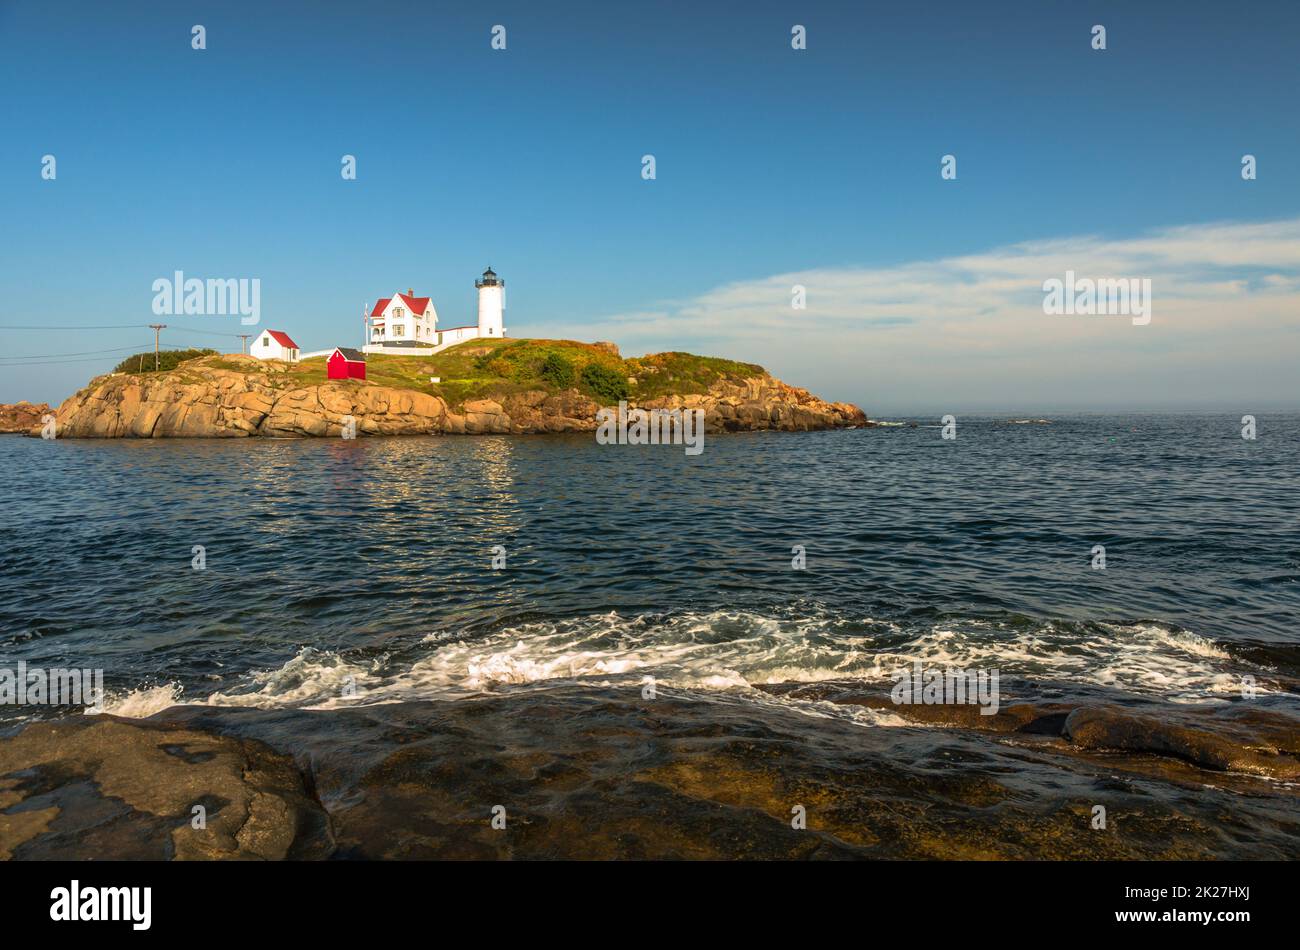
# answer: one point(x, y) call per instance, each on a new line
point(139, 703)
point(730, 652)
point(313, 678)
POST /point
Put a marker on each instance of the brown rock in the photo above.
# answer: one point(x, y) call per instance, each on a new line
point(1110, 728)
point(21, 416)
point(204, 398)
point(100, 787)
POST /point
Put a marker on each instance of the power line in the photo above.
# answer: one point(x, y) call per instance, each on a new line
point(204, 332)
point(42, 356)
point(110, 326)
point(33, 361)
point(85, 359)
point(115, 326)
point(91, 356)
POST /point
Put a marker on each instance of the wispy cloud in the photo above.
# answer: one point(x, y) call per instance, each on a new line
point(971, 329)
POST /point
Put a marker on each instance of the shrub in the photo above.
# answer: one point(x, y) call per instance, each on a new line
point(167, 360)
point(557, 370)
point(605, 383)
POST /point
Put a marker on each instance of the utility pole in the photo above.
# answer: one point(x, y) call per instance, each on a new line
point(157, 328)
point(243, 342)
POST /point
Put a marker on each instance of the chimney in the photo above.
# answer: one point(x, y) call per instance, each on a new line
point(410, 292)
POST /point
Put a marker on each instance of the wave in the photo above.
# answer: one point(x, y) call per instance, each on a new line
point(731, 652)
point(140, 703)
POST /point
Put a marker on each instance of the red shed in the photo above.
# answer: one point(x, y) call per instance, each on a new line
point(346, 363)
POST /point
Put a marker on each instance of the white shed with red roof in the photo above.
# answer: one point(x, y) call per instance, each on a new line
point(275, 345)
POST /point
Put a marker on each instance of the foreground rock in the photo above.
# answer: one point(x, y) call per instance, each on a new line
point(200, 399)
point(21, 416)
point(92, 787)
point(1234, 738)
point(591, 773)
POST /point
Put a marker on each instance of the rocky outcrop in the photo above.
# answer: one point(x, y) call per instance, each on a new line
point(1235, 738)
point(238, 396)
point(21, 416)
point(96, 787)
point(1269, 751)
point(763, 402)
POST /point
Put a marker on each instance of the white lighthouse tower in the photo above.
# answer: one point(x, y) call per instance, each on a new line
point(491, 304)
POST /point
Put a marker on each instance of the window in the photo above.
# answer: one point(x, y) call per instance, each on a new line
point(266, 341)
point(399, 331)
point(397, 313)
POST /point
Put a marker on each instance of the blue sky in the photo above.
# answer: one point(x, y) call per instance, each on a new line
point(771, 163)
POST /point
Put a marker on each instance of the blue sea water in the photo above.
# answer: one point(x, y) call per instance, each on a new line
point(354, 571)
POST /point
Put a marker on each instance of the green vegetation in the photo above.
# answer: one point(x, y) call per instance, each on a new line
point(167, 360)
point(557, 370)
point(604, 383)
point(490, 369)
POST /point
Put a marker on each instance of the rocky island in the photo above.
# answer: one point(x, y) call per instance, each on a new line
point(21, 416)
point(483, 386)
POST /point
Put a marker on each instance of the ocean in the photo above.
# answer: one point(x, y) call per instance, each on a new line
point(759, 583)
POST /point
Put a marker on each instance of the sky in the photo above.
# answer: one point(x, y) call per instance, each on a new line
point(774, 167)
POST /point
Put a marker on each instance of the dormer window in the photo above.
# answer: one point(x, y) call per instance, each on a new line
point(397, 313)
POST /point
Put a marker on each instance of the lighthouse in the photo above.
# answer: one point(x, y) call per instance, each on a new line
point(491, 304)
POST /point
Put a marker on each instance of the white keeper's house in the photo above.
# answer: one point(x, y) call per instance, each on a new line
point(405, 324)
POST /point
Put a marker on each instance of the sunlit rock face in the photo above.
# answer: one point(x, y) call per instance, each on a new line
point(21, 416)
point(202, 400)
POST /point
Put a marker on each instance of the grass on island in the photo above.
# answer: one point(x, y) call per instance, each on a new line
point(488, 369)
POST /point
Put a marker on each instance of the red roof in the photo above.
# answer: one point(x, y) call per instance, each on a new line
point(283, 339)
point(418, 305)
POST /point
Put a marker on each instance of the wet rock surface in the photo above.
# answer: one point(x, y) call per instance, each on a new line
point(1231, 737)
point(587, 773)
point(96, 787)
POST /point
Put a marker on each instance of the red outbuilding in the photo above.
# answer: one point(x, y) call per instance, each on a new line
point(346, 363)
